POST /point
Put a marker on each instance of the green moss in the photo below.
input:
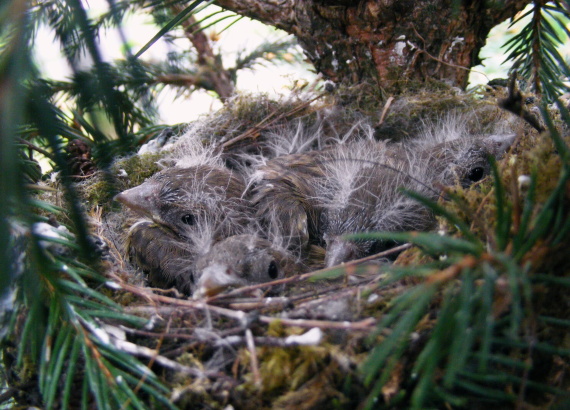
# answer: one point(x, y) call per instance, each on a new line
point(284, 369)
point(311, 377)
point(138, 168)
point(532, 153)
point(255, 111)
point(100, 189)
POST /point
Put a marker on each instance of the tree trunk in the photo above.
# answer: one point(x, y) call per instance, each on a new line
point(385, 42)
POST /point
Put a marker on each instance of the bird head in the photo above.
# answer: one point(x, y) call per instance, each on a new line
point(363, 195)
point(186, 199)
point(339, 251)
point(239, 260)
point(466, 160)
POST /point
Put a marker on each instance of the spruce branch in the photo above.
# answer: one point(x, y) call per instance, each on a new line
point(533, 50)
point(488, 300)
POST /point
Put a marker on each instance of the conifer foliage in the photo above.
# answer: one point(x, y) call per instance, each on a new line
point(59, 317)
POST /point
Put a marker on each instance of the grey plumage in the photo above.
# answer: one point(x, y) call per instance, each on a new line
point(360, 192)
point(321, 195)
point(189, 200)
point(191, 208)
point(241, 260)
point(198, 241)
point(284, 197)
point(169, 261)
point(163, 256)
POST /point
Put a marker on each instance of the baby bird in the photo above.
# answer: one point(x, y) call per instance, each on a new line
point(184, 199)
point(241, 260)
point(284, 197)
point(322, 195)
point(191, 208)
point(361, 191)
point(162, 256)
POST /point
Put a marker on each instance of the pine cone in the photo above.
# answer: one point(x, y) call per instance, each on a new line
point(79, 160)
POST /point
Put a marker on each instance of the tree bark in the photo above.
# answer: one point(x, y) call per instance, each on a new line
point(387, 42)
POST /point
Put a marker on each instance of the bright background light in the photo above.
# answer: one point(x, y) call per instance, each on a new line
point(243, 36)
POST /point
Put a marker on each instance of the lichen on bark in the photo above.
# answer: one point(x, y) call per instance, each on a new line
point(386, 43)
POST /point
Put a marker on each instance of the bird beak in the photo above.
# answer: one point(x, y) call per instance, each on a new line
point(139, 199)
point(339, 251)
point(215, 279)
point(501, 143)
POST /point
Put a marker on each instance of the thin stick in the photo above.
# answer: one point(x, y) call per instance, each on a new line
point(300, 278)
point(385, 110)
point(365, 324)
point(36, 148)
point(253, 132)
point(254, 362)
point(241, 316)
point(152, 354)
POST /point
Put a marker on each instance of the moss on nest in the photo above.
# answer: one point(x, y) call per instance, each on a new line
point(245, 112)
point(124, 173)
point(327, 374)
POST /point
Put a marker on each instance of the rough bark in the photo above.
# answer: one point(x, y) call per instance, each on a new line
point(388, 42)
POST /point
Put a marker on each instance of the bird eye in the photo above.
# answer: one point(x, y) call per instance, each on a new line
point(476, 174)
point(273, 270)
point(188, 219)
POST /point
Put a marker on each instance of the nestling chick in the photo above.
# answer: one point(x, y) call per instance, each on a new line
point(285, 199)
point(184, 199)
point(241, 260)
point(323, 195)
point(162, 255)
point(362, 191)
point(283, 190)
point(191, 208)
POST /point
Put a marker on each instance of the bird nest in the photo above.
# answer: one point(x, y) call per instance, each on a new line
point(308, 343)
point(243, 345)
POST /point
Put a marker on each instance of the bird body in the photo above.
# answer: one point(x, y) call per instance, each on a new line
point(201, 238)
point(191, 208)
point(162, 255)
point(362, 190)
point(361, 193)
point(239, 260)
point(283, 196)
point(322, 195)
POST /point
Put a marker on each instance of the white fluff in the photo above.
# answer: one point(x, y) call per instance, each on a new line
point(191, 150)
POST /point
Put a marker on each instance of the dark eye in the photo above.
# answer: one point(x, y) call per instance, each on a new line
point(188, 219)
point(273, 270)
point(476, 174)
